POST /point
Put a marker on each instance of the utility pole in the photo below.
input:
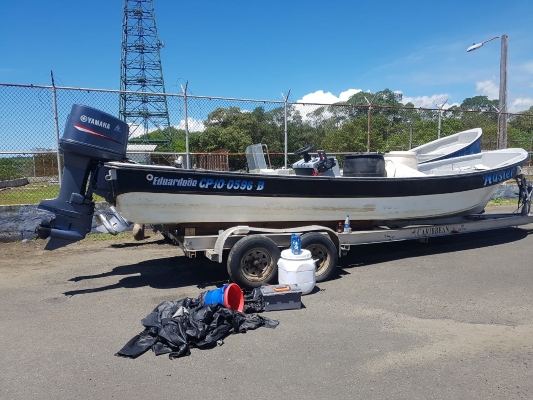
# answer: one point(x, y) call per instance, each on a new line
point(502, 120)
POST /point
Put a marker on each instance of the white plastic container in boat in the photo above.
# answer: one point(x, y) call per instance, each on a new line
point(297, 269)
point(407, 158)
point(401, 164)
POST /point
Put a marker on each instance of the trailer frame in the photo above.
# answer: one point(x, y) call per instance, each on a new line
point(214, 245)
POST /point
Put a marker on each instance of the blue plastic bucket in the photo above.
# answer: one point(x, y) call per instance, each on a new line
point(230, 296)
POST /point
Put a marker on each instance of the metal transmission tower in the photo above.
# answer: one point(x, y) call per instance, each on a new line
point(141, 72)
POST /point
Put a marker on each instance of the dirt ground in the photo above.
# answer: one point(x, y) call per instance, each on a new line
point(448, 319)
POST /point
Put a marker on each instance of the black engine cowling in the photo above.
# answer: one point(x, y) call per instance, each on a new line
point(91, 137)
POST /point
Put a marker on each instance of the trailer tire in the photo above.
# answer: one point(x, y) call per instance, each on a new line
point(324, 251)
point(253, 261)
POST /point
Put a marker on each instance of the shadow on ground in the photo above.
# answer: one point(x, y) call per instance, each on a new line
point(370, 254)
point(174, 272)
point(162, 273)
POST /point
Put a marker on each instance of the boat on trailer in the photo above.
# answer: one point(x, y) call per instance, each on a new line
point(370, 189)
point(252, 215)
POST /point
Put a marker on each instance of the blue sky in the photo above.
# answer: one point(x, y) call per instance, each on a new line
point(321, 51)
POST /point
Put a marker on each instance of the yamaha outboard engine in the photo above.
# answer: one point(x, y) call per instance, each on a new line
point(91, 137)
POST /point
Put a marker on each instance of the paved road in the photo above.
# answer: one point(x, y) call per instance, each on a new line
point(450, 319)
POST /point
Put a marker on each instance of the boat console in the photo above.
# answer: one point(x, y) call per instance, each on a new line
point(322, 165)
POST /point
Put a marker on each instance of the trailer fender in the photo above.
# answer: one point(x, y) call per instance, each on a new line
point(245, 230)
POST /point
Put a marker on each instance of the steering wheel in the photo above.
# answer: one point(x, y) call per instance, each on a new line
point(304, 150)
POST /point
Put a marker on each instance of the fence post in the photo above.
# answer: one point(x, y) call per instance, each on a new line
point(440, 117)
point(410, 123)
point(54, 103)
point(368, 119)
point(187, 153)
point(285, 99)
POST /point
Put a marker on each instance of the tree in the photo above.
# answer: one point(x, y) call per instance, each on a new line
point(177, 143)
point(523, 121)
point(384, 97)
point(479, 103)
point(251, 125)
point(520, 130)
point(351, 137)
point(215, 138)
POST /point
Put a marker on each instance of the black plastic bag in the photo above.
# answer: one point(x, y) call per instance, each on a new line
point(174, 327)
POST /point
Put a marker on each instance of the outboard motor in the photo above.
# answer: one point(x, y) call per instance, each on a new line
point(91, 137)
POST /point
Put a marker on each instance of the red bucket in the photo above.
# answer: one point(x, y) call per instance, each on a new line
point(230, 296)
point(233, 297)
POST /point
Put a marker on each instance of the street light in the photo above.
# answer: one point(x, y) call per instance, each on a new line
point(502, 122)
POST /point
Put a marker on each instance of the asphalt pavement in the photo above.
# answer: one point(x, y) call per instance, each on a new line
point(447, 319)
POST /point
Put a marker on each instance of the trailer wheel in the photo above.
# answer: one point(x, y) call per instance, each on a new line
point(323, 250)
point(253, 261)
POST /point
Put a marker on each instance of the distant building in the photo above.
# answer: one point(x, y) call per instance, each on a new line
point(133, 151)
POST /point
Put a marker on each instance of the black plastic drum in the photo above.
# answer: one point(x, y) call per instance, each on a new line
point(364, 165)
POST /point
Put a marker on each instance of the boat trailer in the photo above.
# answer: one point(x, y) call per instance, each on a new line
point(254, 251)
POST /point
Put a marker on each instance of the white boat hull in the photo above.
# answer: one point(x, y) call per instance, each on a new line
point(165, 208)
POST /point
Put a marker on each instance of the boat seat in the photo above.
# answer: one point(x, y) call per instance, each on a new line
point(255, 158)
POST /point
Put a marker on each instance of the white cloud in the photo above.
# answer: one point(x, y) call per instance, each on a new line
point(194, 125)
point(321, 97)
point(492, 91)
point(521, 104)
point(345, 96)
point(429, 101)
point(489, 89)
point(135, 130)
point(528, 67)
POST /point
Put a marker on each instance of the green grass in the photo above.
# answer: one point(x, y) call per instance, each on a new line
point(96, 237)
point(32, 193)
point(498, 201)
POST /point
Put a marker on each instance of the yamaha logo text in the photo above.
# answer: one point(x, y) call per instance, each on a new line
point(96, 122)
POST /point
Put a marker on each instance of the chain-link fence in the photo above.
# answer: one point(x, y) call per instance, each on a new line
point(218, 130)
